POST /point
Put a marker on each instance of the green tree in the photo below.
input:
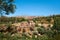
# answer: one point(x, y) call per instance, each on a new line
point(56, 26)
point(41, 30)
point(6, 7)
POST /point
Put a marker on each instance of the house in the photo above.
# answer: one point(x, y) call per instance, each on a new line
point(25, 27)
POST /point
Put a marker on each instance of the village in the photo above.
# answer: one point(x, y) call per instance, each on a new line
point(30, 26)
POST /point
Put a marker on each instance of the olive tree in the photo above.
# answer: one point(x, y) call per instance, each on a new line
point(7, 7)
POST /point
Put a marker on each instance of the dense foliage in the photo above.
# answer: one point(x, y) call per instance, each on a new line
point(6, 7)
point(45, 34)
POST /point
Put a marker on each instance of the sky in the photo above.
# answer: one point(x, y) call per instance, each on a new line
point(36, 7)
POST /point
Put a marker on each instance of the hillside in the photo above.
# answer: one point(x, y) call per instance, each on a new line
point(30, 25)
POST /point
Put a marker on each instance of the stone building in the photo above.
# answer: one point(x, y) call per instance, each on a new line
point(25, 27)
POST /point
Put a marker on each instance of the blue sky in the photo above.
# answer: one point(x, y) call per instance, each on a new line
point(36, 7)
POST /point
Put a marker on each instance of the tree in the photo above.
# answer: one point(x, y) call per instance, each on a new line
point(56, 26)
point(6, 7)
point(41, 30)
